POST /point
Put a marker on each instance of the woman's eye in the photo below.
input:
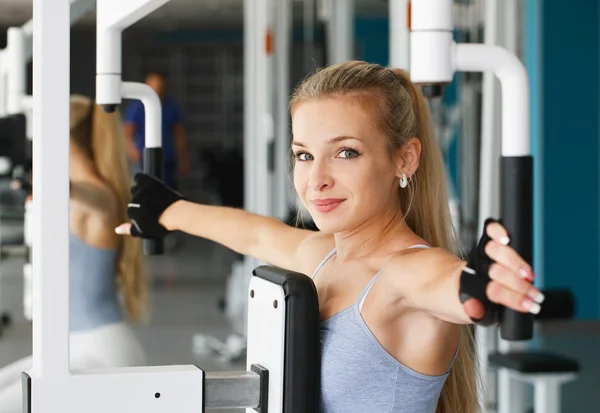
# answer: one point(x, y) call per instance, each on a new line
point(303, 156)
point(348, 153)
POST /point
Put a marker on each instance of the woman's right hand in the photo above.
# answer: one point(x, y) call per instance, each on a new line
point(150, 198)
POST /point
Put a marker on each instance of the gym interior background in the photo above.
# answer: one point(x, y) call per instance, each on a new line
point(199, 44)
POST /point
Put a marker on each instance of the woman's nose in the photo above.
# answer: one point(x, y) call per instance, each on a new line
point(320, 176)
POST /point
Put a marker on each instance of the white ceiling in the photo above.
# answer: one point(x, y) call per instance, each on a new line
point(180, 13)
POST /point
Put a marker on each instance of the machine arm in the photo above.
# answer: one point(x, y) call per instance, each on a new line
point(434, 58)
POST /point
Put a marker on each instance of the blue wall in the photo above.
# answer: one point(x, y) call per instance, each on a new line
point(564, 73)
point(562, 58)
point(372, 39)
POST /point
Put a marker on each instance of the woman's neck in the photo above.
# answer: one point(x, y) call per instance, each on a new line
point(376, 236)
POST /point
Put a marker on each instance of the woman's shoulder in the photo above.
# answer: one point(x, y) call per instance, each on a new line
point(313, 250)
point(409, 267)
point(94, 210)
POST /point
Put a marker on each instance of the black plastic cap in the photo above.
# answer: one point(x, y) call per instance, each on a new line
point(432, 91)
point(109, 108)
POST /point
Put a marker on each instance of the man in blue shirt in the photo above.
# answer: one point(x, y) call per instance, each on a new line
point(175, 148)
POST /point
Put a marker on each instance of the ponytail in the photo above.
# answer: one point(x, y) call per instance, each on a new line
point(100, 136)
point(428, 215)
point(108, 145)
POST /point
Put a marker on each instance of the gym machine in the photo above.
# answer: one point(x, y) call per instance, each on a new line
point(283, 315)
point(16, 117)
point(434, 32)
point(264, 154)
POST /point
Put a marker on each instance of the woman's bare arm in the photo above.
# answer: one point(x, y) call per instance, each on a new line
point(264, 238)
point(429, 280)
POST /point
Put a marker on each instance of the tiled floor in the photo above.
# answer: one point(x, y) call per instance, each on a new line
point(186, 288)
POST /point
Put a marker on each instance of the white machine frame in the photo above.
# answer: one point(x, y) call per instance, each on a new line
point(15, 100)
point(434, 57)
point(433, 31)
point(51, 385)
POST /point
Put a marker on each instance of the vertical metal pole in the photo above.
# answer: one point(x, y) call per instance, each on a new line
point(250, 90)
point(308, 18)
point(283, 40)
point(15, 48)
point(51, 74)
point(486, 338)
point(512, 393)
point(3, 83)
point(399, 35)
point(264, 106)
point(341, 31)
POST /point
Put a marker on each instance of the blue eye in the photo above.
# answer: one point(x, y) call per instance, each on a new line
point(348, 153)
point(303, 156)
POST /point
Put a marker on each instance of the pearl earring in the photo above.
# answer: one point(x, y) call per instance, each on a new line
point(403, 181)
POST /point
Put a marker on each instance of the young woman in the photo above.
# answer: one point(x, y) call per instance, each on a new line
point(395, 334)
point(106, 272)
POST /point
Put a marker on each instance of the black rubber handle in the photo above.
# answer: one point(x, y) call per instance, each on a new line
point(516, 210)
point(153, 165)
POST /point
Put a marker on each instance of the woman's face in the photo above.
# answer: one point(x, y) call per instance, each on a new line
point(343, 173)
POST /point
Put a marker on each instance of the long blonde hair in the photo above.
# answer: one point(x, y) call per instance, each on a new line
point(400, 113)
point(100, 136)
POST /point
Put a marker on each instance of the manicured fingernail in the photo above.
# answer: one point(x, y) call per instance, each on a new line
point(533, 308)
point(504, 240)
point(527, 273)
point(536, 296)
point(119, 230)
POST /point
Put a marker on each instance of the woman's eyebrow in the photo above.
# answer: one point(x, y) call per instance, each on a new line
point(332, 140)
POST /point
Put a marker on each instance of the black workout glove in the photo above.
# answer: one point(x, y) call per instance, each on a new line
point(475, 278)
point(150, 197)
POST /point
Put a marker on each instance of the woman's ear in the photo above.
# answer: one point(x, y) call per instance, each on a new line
point(408, 158)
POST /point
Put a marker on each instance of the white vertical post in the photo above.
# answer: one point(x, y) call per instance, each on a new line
point(489, 188)
point(51, 74)
point(399, 35)
point(250, 90)
point(489, 163)
point(264, 133)
point(3, 83)
point(15, 47)
point(250, 129)
point(283, 40)
point(341, 31)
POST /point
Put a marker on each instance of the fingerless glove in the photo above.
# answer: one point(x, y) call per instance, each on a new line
point(150, 197)
point(475, 278)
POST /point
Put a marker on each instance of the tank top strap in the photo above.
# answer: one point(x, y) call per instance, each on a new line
point(363, 295)
point(365, 291)
point(457, 350)
point(323, 263)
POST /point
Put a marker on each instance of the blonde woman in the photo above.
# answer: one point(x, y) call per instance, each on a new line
point(395, 334)
point(106, 273)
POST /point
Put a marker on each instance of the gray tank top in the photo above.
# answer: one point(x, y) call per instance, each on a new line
point(359, 375)
point(93, 294)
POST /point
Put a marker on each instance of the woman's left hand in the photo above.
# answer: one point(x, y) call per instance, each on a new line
point(511, 277)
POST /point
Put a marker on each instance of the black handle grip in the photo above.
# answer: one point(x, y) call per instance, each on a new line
point(516, 210)
point(153, 165)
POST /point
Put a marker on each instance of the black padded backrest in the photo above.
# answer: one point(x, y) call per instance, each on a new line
point(302, 366)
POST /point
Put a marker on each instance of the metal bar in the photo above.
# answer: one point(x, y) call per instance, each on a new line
point(399, 35)
point(51, 71)
point(79, 9)
point(232, 390)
